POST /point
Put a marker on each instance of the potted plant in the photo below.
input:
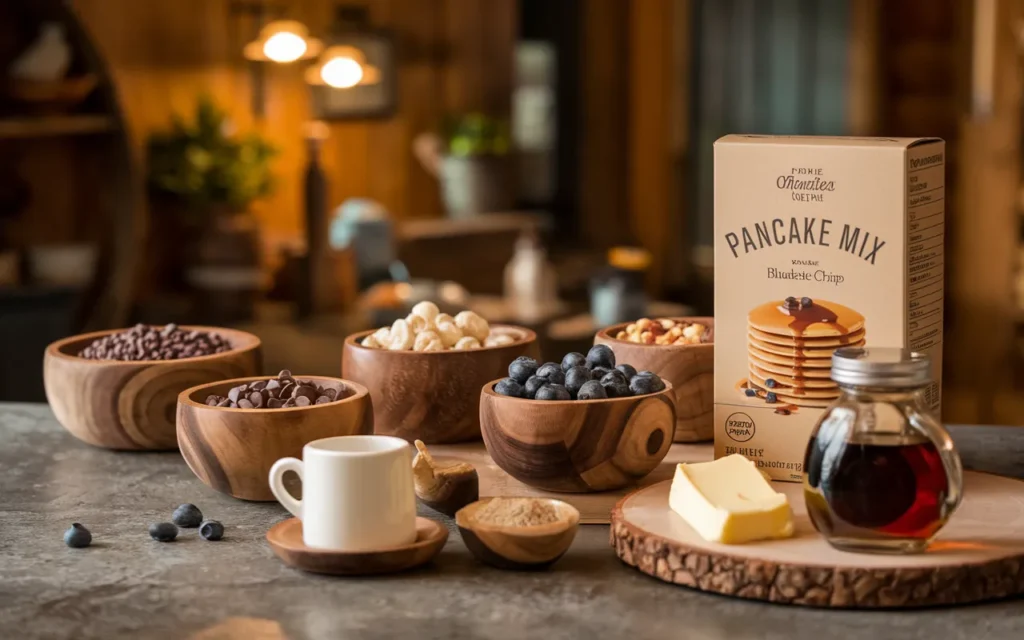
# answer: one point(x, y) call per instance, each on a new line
point(470, 160)
point(210, 175)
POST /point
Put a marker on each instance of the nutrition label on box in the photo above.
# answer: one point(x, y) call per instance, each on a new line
point(926, 209)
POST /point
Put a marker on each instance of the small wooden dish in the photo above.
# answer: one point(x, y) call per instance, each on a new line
point(431, 396)
point(52, 96)
point(578, 446)
point(130, 405)
point(520, 548)
point(285, 539)
point(232, 450)
point(689, 367)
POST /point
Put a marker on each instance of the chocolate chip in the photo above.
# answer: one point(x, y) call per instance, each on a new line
point(284, 374)
point(259, 385)
point(245, 404)
point(275, 403)
point(323, 400)
point(212, 400)
point(256, 399)
point(276, 393)
point(272, 385)
point(302, 401)
point(235, 392)
point(142, 342)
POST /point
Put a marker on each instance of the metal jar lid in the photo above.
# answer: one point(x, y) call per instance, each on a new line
point(880, 367)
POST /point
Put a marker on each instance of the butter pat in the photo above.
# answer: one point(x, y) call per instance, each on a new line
point(730, 501)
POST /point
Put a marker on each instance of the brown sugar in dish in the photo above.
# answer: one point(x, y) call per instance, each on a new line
point(516, 512)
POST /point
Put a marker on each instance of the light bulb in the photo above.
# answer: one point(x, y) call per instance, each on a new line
point(341, 72)
point(284, 46)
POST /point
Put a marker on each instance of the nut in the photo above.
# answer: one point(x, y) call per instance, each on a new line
point(402, 337)
point(472, 325)
point(382, 335)
point(428, 340)
point(498, 340)
point(466, 342)
point(370, 342)
point(445, 326)
point(416, 323)
point(662, 331)
point(426, 310)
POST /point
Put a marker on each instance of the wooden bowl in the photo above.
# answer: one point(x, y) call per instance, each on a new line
point(578, 446)
point(52, 96)
point(432, 396)
point(232, 450)
point(689, 367)
point(523, 548)
point(130, 405)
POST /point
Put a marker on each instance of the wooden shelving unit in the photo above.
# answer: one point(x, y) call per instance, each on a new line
point(54, 126)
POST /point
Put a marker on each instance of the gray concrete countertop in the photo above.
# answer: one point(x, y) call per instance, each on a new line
point(127, 585)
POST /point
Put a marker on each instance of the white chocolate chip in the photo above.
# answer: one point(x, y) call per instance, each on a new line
point(466, 342)
point(426, 310)
point(473, 325)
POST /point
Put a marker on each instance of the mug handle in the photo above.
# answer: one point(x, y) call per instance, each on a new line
point(277, 484)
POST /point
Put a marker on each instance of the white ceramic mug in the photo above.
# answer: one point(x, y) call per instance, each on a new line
point(357, 492)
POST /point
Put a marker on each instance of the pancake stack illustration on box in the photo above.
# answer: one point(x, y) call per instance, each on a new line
point(790, 344)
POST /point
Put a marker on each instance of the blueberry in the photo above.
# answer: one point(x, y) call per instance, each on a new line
point(627, 369)
point(771, 398)
point(601, 355)
point(163, 531)
point(522, 368)
point(599, 372)
point(643, 385)
point(575, 378)
point(591, 391)
point(769, 382)
point(533, 385)
point(573, 360)
point(187, 515)
point(790, 301)
point(509, 387)
point(615, 385)
point(750, 393)
point(553, 392)
point(806, 302)
point(552, 372)
point(77, 536)
point(211, 530)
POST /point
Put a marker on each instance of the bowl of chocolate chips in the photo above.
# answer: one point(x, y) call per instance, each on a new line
point(587, 423)
point(118, 389)
point(231, 432)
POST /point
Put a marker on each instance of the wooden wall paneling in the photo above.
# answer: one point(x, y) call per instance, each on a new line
point(650, 150)
point(603, 123)
point(680, 252)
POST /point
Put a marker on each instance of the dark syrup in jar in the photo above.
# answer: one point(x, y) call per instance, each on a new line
point(876, 486)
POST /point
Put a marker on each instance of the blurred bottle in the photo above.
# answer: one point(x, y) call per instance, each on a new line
point(617, 290)
point(531, 287)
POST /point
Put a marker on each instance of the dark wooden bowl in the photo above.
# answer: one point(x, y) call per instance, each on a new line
point(232, 450)
point(689, 367)
point(432, 396)
point(130, 405)
point(578, 446)
point(521, 548)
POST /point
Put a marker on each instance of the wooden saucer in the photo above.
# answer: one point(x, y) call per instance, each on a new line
point(285, 539)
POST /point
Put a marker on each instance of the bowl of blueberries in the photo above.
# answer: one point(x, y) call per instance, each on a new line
point(585, 424)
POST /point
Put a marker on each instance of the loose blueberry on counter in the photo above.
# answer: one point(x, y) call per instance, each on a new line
point(750, 393)
point(573, 360)
point(187, 515)
point(163, 531)
point(552, 372)
point(644, 385)
point(553, 392)
point(509, 387)
point(771, 398)
point(575, 378)
point(601, 355)
point(592, 391)
point(77, 536)
point(769, 382)
point(627, 369)
point(522, 368)
point(211, 530)
point(615, 385)
point(533, 385)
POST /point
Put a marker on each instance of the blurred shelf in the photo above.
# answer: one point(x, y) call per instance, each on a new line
point(52, 126)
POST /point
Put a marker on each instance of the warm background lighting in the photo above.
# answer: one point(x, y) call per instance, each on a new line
point(284, 47)
point(341, 73)
point(283, 41)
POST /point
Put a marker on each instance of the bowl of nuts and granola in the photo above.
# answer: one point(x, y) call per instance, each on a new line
point(682, 351)
point(425, 371)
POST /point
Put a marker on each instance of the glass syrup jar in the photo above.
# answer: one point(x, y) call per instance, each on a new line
point(881, 474)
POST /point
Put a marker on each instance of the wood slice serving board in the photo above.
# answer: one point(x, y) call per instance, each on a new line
point(594, 508)
point(979, 555)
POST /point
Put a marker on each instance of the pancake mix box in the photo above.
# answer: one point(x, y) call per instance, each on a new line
point(819, 243)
